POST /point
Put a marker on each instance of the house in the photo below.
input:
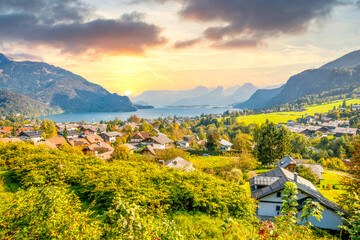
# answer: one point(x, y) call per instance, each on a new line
point(182, 144)
point(339, 131)
point(92, 129)
point(225, 145)
point(73, 134)
point(100, 149)
point(110, 136)
point(162, 141)
point(78, 142)
point(149, 150)
point(267, 189)
point(131, 147)
point(33, 136)
point(93, 139)
point(137, 137)
point(58, 141)
point(178, 163)
point(290, 164)
point(189, 138)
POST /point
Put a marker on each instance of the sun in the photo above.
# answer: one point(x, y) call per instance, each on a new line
point(127, 93)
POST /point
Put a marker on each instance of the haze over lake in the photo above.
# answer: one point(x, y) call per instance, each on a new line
point(142, 113)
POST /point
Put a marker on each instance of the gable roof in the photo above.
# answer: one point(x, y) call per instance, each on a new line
point(315, 167)
point(58, 141)
point(112, 134)
point(179, 163)
point(272, 185)
point(31, 134)
point(225, 143)
point(161, 139)
point(94, 138)
point(149, 149)
point(129, 146)
point(142, 135)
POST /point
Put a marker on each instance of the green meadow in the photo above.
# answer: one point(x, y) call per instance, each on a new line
point(278, 117)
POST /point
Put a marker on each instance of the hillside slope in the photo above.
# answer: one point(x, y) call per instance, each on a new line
point(15, 103)
point(57, 87)
point(339, 77)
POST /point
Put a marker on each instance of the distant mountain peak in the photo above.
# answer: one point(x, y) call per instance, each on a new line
point(3, 58)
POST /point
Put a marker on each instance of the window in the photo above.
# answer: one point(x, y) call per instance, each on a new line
point(278, 209)
point(278, 194)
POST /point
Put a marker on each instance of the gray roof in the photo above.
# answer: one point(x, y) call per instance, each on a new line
point(315, 167)
point(31, 134)
point(286, 176)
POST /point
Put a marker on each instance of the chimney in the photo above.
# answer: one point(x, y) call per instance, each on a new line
point(295, 177)
point(161, 162)
point(175, 162)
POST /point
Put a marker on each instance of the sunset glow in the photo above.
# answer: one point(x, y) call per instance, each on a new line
point(173, 47)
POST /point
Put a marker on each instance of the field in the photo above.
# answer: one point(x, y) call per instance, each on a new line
point(332, 179)
point(278, 117)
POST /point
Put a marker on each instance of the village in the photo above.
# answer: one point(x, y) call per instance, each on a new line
point(149, 137)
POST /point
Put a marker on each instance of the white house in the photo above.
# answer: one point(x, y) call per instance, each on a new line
point(33, 136)
point(182, 144)
point(267, 189)
point(225, 145)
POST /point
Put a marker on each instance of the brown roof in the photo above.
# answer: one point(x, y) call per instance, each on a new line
point(78, 142)
point(94, 138)
point(6, 140)
point(161, 139)
point(95, 147)
point(143, 135)
point(58, 141)
point(149, 149)
point(46, 144)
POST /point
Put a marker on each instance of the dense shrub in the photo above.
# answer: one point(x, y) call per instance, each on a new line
point(46, 213)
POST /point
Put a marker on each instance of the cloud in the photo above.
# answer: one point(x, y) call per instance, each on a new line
point(237, 21)
point(64, 24)
point(238, 43)
point(186, 43)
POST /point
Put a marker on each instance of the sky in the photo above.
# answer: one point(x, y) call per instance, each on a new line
point(131, 46)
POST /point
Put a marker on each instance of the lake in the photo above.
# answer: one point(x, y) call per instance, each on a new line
point(142, 113)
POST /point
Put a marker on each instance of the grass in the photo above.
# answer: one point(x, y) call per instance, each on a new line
point(278, 117)
point(334, 180)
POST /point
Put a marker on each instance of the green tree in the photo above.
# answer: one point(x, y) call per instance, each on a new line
point(213, 143)
point(311, 208)
point(243, 142)
point(49, 128)
point(66, 133)
point(271, 143)
point(288, 207)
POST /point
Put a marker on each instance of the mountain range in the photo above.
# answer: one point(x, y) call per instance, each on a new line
point(199, 96)
point(58, 88)
point(339, 77)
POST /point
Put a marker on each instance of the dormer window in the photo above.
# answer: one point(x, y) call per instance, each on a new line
point(278, 194)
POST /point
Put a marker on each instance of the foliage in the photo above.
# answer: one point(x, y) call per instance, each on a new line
point(49, 128)
point(352, 224)
point(243, 142)
point(120, 153)
point(311, 208)
point(46, 213)
point(213, 143)
point(307, 173)
point(171, 153)
point(271, 143)
point(288, 207)
point(129, 221)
